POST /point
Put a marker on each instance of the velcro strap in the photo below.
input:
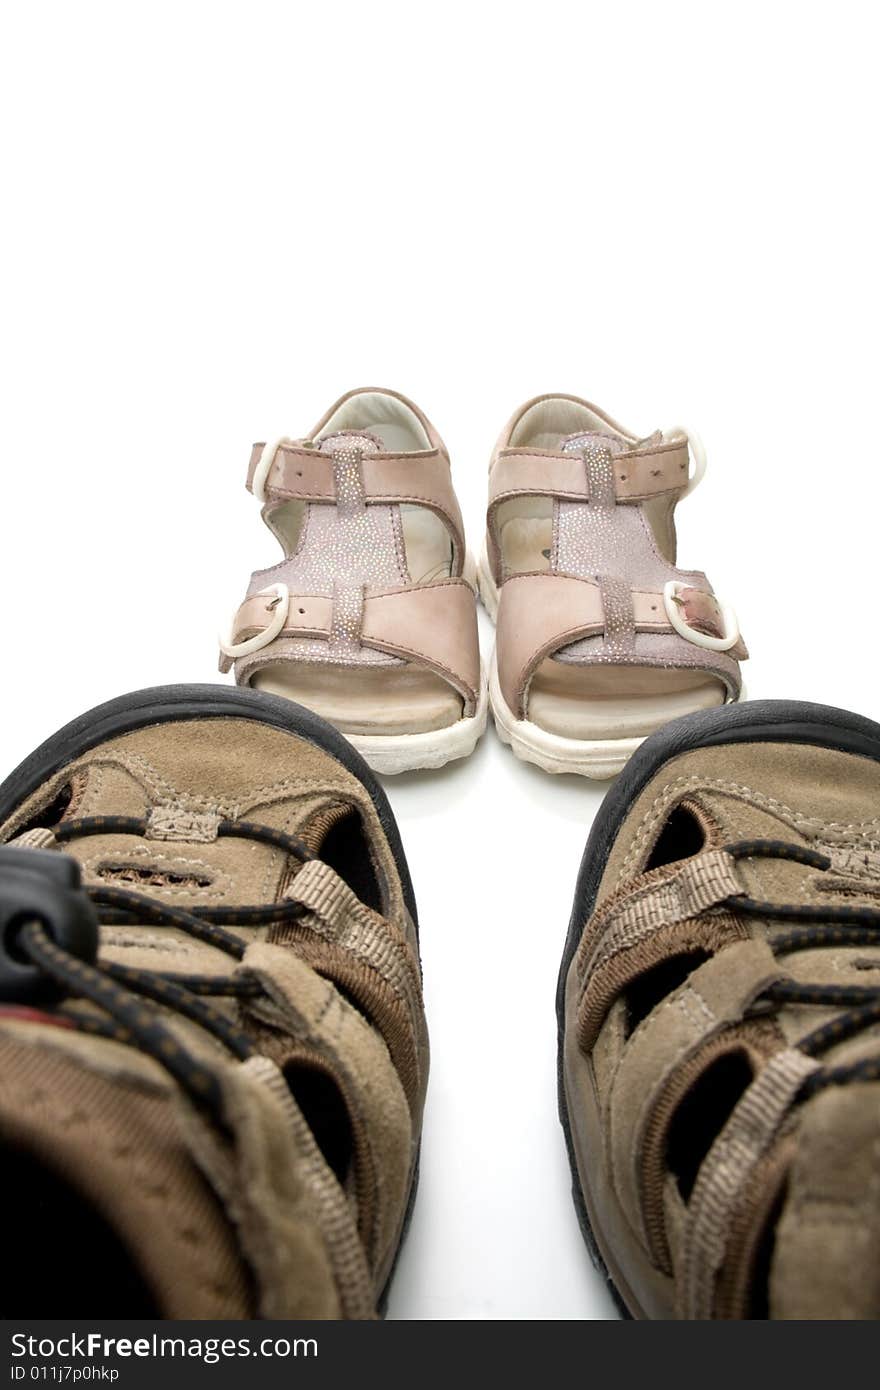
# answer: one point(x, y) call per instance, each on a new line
point(421, 479)
point(638, 474)
point(539, 613)
point(434, 625)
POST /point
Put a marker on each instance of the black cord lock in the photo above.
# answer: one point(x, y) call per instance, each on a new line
point(41, 886)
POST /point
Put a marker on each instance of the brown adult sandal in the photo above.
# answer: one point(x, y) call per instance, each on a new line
point(601, 638)
point(371, 618)
point(213, 1055)
point(718, 1019)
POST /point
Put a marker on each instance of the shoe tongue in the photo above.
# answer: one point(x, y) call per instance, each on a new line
point(576, 443)
point(351, 439)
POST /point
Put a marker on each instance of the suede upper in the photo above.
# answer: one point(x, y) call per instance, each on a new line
point(373, 573)
point(581, 545)
point(293, 1207)
point(727, 1156)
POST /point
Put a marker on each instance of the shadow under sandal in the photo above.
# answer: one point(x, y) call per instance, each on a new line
point(370, 619)
point(213, 1054)
point(601, 638)
point(719, 1003)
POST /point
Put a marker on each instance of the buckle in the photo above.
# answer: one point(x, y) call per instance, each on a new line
point(264, 467)
point(279, 610)
point(42, 886)
point(675, 611)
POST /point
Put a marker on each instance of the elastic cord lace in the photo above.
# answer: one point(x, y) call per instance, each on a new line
point(126, 994)
point(819, 925)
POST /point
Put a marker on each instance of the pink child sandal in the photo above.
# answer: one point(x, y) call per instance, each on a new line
point(601, 639)
point(369, 619)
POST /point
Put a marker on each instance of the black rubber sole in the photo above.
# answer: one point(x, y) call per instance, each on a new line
point(173, 703)
point(756, 721)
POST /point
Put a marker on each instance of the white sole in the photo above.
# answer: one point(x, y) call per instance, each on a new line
point(599, 759)
point(389, 754)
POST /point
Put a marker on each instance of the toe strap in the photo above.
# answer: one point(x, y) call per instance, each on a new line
point(602, 621)
point(430, 625)
point(434, 625)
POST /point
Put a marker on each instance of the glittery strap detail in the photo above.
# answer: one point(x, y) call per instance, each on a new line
point(584, 533)
point(597, 516)
point(347, 475)
point(354, 522)
point(600, 475)
point(345, 625)
point(619, 614)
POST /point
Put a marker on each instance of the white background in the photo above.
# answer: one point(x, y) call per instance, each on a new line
point(218, 217)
